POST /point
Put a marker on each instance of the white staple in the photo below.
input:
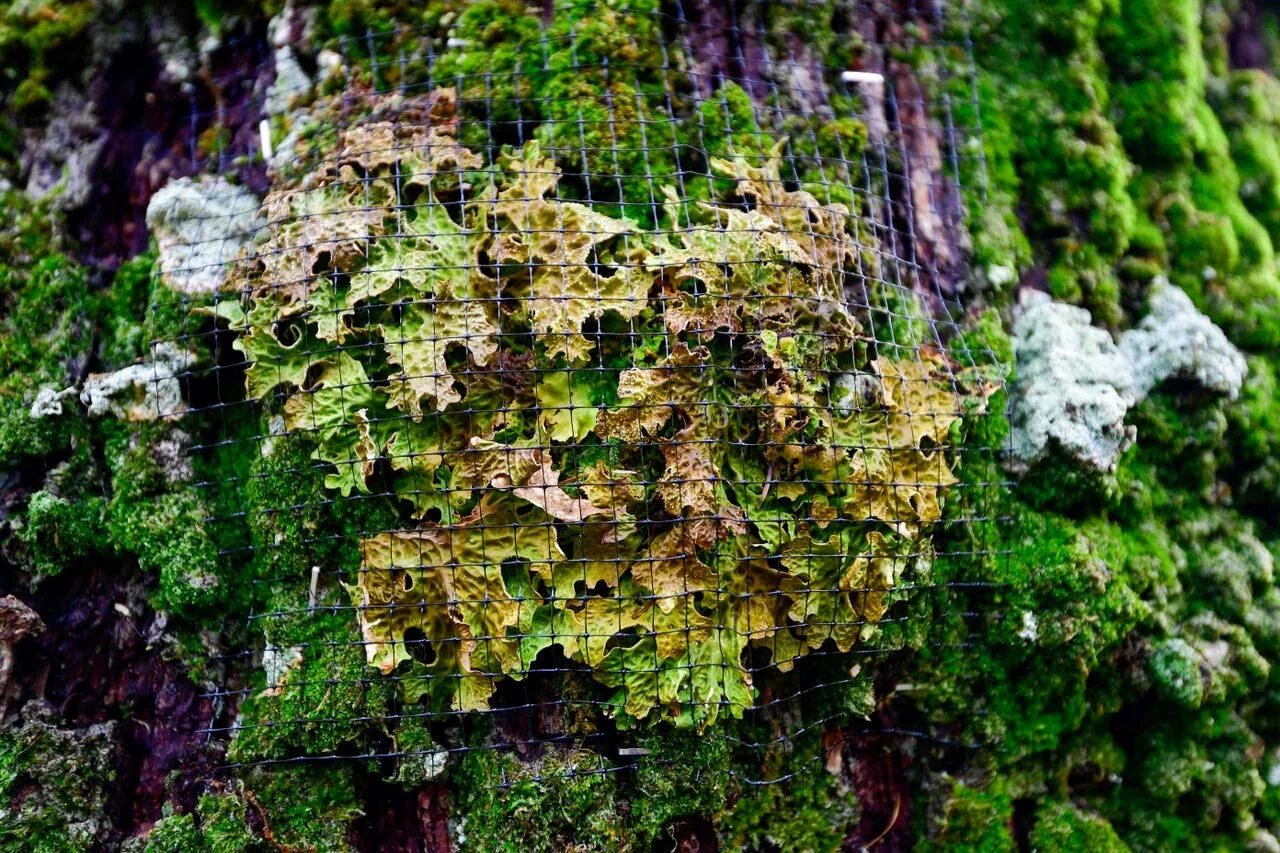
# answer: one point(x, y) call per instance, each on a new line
point(264, 131)
point(862, 77)
point(315, 579)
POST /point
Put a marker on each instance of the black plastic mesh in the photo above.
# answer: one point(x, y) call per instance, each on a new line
point(597, 379)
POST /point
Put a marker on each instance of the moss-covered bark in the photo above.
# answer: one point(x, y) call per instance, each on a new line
point(1109, 656)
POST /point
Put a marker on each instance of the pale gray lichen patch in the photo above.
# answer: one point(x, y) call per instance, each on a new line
point(1075, 384)
point(1176, 341)
point(140, 392)
point(60, 161)
point(292, 88)
point(278, 662)
point(422, 765)
point(1072, 392)
point(48, 402)
point(291, 82)
point(200, 227)
point(171, 457)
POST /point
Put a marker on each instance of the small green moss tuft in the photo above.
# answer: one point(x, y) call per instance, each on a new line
point(1064, 827)
point(972, 819)
point(57, 533)
point(565, 799)
point(175, 833)
point(224, 823)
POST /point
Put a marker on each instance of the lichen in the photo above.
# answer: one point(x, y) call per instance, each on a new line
point(199, 227)
point(1175, 341)
point(1073, 391)
point(397, 335)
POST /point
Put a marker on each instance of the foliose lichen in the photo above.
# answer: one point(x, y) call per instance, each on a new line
point(474, 349)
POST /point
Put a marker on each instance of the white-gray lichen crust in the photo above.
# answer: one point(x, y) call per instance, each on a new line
point(1175, 340)
point(200, 227)
point(140, 392)
point(1073, 390)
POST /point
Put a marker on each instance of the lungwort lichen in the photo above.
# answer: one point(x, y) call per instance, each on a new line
point(668, 456)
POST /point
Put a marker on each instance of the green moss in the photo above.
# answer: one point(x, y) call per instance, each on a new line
point(564, 800)
point(1152, 613)
point(1251, 116)
point(1043, 60)
point(1062, 827)
point(420, 760)
point(900, 321)
point(574, 799)
point(139, 309)
point(685, 775)
point(305, 805)
point(46, 330)
point(175, 833)
point(1175, 671)
point(324, 700)
point(970, 819)
point(58, 533)
point(1254, 436)
point(56, 783)
point(806, 808)
point(167, 535)
point(224, 823)
point(33, 37)
point(1159, 75)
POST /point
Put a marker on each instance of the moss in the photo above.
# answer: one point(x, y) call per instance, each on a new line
point(1251, 115)
point(56, 782)
point(575, 799)
point(33, 36)
point(684, 776)
point(1175, 671)
point(1164, 625)
point(580, 85)
point(1165, 622)
point(990, 184)
point(1253, 427)
point(175, 833)
point(1189, 429)
point(1043, 60)
point(1159, 72)
point(46, 330)
point(566, 799)
point(289, 807)
point(167, 535)
point(305, 805)
point(900, 321)
point(420, 761)
point(139, 309)
point(799, 806)
point(970, 819)
point(358, 18)
point(58, 533)
point(325, 701)
point(1062, 827)
point(224, 823)
point(1195, 778)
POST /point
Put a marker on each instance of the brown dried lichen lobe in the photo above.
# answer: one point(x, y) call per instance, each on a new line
point(683, 475)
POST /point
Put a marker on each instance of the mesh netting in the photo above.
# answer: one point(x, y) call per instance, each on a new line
point(591, 378)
